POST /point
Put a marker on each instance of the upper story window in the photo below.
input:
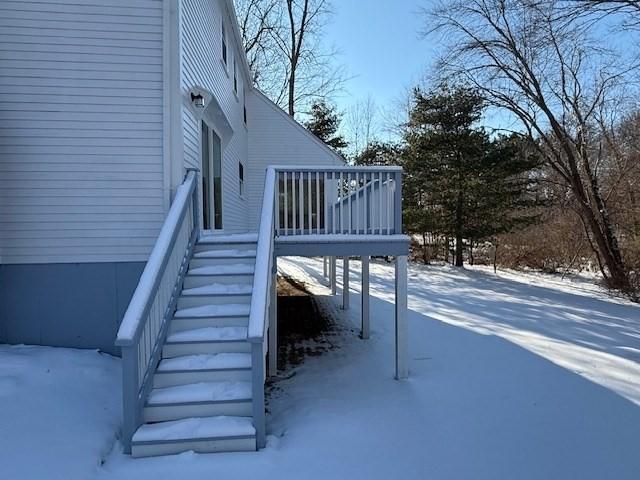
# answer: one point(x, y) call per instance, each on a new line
point(235, 76)
point(224, 43)
point(241, 178)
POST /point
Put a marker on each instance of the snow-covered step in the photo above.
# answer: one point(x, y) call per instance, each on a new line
point(202, 435)
point(220, 289)
point(225, 242)
point(208, 311)
point(203, 368)
point(232, 315)
point(206, 340)
point(202, 399)
point(215, 294)
point(202, 279)
point(232, 253)
point(236, 273)
point(232, 257)
point(217, 238)
point(182, 324)
point(223, 270)
point(221, 257)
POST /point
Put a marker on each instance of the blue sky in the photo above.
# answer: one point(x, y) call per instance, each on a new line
point(381, 47)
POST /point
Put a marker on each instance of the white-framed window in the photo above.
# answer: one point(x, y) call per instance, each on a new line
point(224, 44)
point(235, 76)
point(241, 178)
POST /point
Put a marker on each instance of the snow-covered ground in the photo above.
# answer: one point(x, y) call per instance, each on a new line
point(512, 376)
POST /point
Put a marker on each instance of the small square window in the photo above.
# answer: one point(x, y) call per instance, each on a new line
point(224, 44)
point(241, 178)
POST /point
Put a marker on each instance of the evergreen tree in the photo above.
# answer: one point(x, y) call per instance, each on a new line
point(324, 124)
point(378, 153)
point(459, 182)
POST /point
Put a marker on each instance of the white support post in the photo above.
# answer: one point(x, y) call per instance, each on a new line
point(402, 326)
point(345, 283)
point(332, 274)
point(325, 272)
point(364, 332)
point(273, 323)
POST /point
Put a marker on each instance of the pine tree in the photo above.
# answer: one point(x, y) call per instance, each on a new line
point(378, 153)
point(324, 124)
point(460, 183)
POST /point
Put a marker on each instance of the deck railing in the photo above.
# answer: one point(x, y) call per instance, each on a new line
point(144, 326)
point(338, 200)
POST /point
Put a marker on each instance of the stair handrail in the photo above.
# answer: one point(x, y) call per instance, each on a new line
point(144, 325)
point(260, 303)
point(264, 262)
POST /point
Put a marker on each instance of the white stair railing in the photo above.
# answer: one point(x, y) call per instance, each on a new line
point(144, 327)
point(261, 303)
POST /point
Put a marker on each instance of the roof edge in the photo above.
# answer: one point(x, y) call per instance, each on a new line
point(297, 125)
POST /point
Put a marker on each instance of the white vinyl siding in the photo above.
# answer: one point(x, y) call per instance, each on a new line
point(201, 66)
point(81, 118)
point(276, 139)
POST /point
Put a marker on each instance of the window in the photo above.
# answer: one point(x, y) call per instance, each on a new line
point(244, 113)
point(224, 44)
point(241, 178)
point(235, 76)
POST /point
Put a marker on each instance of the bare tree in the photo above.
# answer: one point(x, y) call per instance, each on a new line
point(362, 124)
point(310, 74)
point(629, 10)
point(555, 81)
point(287, 54)
point(259, 21)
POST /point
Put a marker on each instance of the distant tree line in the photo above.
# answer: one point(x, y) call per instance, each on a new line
point(571, 94)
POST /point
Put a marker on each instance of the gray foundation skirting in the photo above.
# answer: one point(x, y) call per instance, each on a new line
point(77, 305)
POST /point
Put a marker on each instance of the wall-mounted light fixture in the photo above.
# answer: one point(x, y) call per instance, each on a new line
point(197, 99)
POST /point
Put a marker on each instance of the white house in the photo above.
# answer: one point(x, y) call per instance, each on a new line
point(146, 190)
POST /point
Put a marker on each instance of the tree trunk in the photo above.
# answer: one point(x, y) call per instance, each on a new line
point(446, 249)
point(459, 260)
point(495, 258)
point(608, 250)
point(600, 225)
point(292, 93)
point(425, 258)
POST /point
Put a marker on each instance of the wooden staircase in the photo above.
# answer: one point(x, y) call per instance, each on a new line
point(201, 397)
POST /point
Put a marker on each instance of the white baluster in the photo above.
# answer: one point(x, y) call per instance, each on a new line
point(388, 202)
point(286, 205)
point(333, 202)
point(357, 202)
point(294, 200)
point(276, 202)
point(325, 203)
point(341, 196)
point(318, 203)
point(301, 199)
point(380, 203)
point(309, 211)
